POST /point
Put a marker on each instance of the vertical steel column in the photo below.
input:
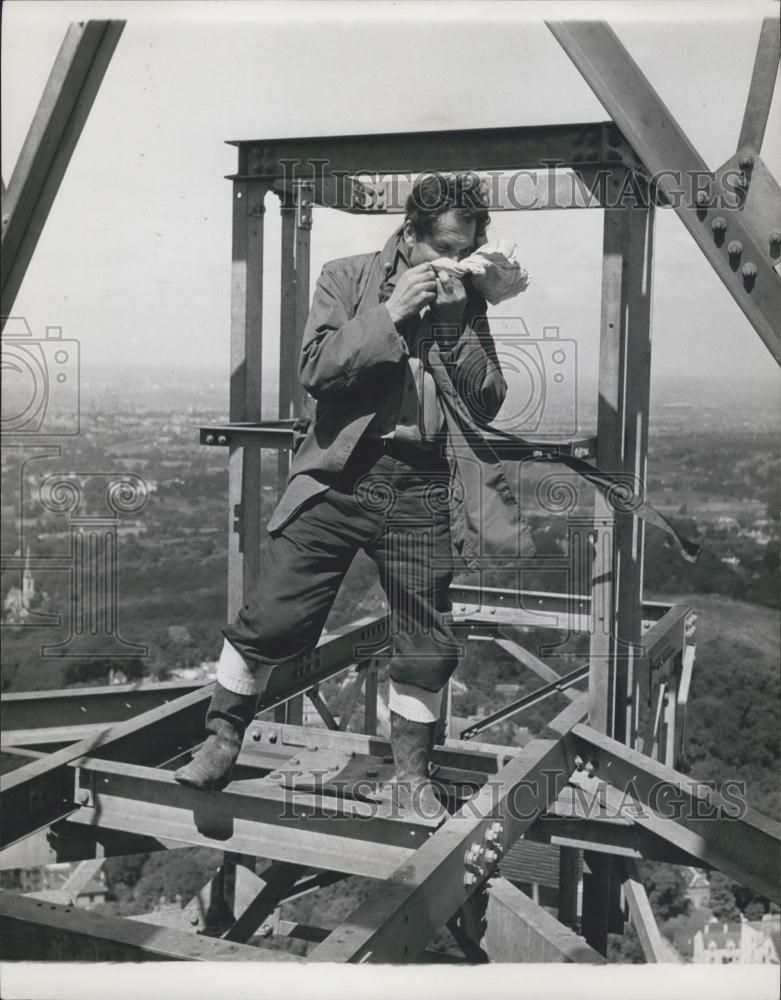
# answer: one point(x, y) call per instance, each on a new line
point(597, 897)
point(304, 207)
point(624, 390)
point(244, 479)
point(296, 215)
point(287, 326)
point(569, 873)
point(622, 440)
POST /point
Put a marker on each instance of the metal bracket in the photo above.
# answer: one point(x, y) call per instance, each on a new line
point(84, 788)
point(305, 199)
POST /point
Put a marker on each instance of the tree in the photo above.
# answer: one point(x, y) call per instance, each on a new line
point(722, 898)
point(666, 890)
point(625, 948)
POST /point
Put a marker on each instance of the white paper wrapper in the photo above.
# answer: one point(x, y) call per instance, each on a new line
point(495, 269)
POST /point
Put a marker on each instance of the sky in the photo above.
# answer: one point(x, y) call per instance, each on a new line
point(134, 260)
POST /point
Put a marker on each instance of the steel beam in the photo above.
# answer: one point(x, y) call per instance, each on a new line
point(674, 163)
point(607, 835)
point(244, 466)
point(515, 148)
point(37, 931)
point(395, 923)
point(519, 930)
point(39, 793)
point(544, 609)
point(534, 663)
point(278, 434)
point(719, 830)
point(249, 816)
point(63, 110)
point(763, 81)
point(87, 706)
point(274, 885)
point(640, 911)
point(508, 191)
point(483, 758)
point(558, 686)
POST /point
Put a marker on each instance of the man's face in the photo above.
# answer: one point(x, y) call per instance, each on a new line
point(452, 236)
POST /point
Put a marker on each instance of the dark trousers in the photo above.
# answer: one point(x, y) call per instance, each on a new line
point(394, 506)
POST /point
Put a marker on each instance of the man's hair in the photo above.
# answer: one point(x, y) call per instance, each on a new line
point(434, 194)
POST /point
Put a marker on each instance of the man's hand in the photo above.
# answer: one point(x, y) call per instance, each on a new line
point(415, 289)
point(451, 298)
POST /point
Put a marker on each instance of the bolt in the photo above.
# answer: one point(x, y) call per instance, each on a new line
point(470, 879)
point(746, 162)
point(581, 453)
point(537, 453)
point(719, 224)
point(491, 857)
point(735, 248)
point(209, 439)
point(256, 736)
point(472, 856)
point(703, 198)
point(749, 270)
point(272, 738)
point(222, 439)
point(194, 919)
point(266, 930)
point(84, 798)
point(494, 832)
point(492, 611)
point(579, 763)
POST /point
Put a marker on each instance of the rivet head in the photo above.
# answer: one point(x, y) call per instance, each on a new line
point(256, 736)
point(719, 224)
point(194, 919)
point(702, 198)
point(735, 249)
point(221, 439)
point(272, 738)
point(746, 162)
point(749, 270)
point(84, 798)
point(775, 239)
point(209, 439)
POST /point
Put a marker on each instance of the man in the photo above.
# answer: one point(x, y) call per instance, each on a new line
point(366, 476)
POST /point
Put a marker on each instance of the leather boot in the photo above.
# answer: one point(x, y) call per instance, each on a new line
point(412, 743)
point(227, 718)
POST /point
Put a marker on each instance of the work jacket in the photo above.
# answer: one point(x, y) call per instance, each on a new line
point(353, 363)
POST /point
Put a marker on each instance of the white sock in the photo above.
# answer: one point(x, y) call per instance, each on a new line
point(414, 703)
point(237, 675)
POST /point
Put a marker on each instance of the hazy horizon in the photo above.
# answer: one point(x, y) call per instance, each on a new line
point(134, 259)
